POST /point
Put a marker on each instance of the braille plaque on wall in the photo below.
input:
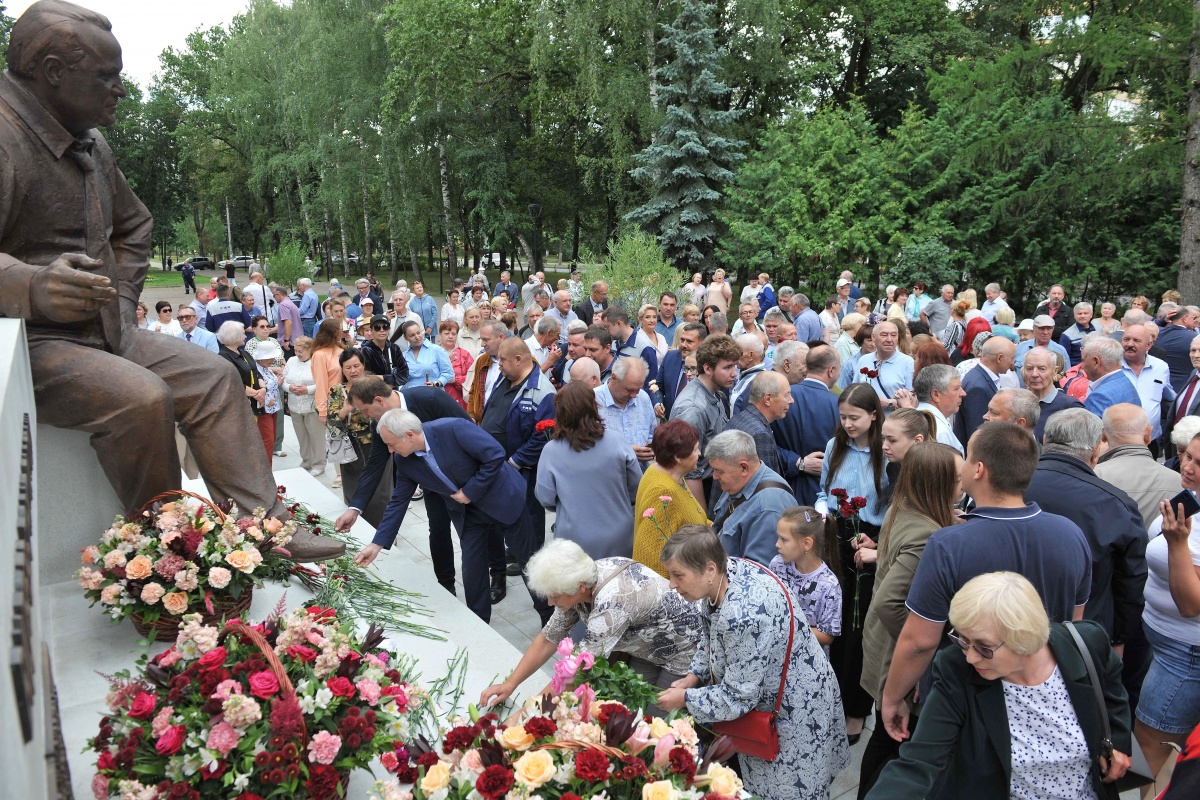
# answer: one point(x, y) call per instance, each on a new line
point(21, 657)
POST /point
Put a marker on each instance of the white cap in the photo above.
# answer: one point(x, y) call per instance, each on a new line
point(842, 282)
point(1026, 325)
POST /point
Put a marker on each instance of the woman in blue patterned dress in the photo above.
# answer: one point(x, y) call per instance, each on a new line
point(743, 643)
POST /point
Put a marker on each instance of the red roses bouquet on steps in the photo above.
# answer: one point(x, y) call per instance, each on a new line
point(286, 708)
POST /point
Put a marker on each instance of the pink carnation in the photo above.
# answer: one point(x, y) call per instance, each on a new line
point(223, 738)
point(324, 747)
point(111, 594)
point(152, 593)
point(100, 787)
point(162, 721)
point(219, 577)
point(368, 690)
point(666, 498)
point(168, 565)
point(225, 689)
point(648, 513)
point(114, 558)
point(170, 658)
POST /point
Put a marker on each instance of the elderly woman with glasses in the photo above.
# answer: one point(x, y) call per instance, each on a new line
point(629, 613)
point(1012, 712)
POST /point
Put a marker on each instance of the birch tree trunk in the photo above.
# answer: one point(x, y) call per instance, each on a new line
point(367, 264)
point(342, 231)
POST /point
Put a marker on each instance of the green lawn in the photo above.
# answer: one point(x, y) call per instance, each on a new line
point(157, 279)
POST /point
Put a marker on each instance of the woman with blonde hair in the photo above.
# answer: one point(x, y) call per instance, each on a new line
point(647, 320)
point(719, 292)
point(1106, 323)
point(300, 388)
point(1012, 712)
point(468, 331)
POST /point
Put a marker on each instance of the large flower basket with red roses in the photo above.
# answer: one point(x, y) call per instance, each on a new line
point(179, 557)
point(565, 747)
point(286, 708)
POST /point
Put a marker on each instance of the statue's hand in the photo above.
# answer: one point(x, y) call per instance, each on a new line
point(66, 291)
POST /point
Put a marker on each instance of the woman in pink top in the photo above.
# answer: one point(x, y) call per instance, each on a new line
point(460, 360)
point(327, 349)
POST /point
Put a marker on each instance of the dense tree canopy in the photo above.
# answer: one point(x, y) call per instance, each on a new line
point(1037, 140)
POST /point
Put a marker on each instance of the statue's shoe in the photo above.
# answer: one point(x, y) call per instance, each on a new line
point(306, 546)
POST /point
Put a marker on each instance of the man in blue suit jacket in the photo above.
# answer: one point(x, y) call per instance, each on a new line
point(671, 377)
point(981, 385)
point(809, 424)
point(457, 460)
point(1108, 385)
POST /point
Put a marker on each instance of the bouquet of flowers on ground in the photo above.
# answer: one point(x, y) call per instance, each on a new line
point(286, 708)
point(568, 746)
point(179, 557)
point(612, 680)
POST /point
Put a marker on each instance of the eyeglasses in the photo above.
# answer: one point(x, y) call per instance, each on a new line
point(379, 327)
point(166, 310)
point(186, 316)
point(986, 652)
point(691, 370)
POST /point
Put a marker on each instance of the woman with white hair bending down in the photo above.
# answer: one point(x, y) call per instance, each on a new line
point(628, 609)
point(1012, 712)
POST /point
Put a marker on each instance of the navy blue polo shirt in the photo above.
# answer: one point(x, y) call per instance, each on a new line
point(1049, 550)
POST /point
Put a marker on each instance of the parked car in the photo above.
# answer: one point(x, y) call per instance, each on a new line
point(239, 262)
point(199, 262)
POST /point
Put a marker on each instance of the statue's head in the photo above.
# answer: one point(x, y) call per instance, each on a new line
point(67, 56)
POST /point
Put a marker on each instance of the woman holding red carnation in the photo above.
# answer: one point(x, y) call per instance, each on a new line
point(853, 480)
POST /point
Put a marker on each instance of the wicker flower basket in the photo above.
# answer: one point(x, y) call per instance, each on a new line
point(166, 627)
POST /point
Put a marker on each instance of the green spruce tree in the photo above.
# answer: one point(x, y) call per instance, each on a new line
point(690, 159)
point(6, 23)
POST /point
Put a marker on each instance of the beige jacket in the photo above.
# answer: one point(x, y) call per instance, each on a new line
point(894, 571)
point(1133, 470)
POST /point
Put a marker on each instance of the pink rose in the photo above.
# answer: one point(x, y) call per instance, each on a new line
point(143, 706)
point(223, 738)
point(302, 653)
point(323, 748)
point(171, 740)
point(264, 684)
point(213, 658)
point(100, 787)
point(341, 687)
point(586, 660)
point(368, 690)
point(565, 647)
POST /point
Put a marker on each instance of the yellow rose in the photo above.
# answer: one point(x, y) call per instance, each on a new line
point(140, 567)
point(535, 768)
point(659, 790)
point(175, 602)
point(723, 781)
point(241, 561)
point(659, 728)
point(436, 778)
point(515, 738)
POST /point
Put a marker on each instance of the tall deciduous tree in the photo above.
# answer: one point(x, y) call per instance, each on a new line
point(1189, 251)
point(6, 23)
point(692, 158)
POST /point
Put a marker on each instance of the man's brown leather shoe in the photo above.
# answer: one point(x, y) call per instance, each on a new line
point(306, 546)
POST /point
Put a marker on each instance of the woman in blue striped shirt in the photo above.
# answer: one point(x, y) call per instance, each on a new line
point(853, 477)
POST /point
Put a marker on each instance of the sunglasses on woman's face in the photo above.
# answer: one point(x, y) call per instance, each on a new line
point(166, 311)
point(379, 327)
point(965, 644)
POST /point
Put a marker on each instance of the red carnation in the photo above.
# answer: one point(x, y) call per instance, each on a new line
point(321, 614)
point(858, 502)
point(606, 711)
point(302, 653)
point(249, 796)
point(322, 781)
point(389, 762)
point(406, 774)
point(427, 759)
point(681, 762)
point(569, 796)
point(543, 426)
point(264, 684)
point(540, 727)
point(143, 706)
point(839, 492)
point(341, 687)
point(211, 772)
point(213, 658)
point(459, 738)
point(495, 782)
point(591, 766)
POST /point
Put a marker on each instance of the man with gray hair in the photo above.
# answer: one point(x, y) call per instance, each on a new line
point(1072, 338)
point(937, 312)
point(626, 408)
point(809, 422)
point(790, 360)
point(1128, 463)
point(1175, 339)
point(1149, 375)
point(807, 322)
point(458, 460)
point(752, 497)
point(1018, 406)
point(1065, 484)
point(938, 390)
point(1107, 384)
point(784, 299)
point(718, 324)
point(767, 402)
point(750, 364)
point(544, 343)
point(993, 303)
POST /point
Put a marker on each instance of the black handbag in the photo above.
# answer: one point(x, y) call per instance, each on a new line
point(1139, 773)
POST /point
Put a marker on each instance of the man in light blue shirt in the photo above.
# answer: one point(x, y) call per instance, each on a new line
point(1149, 375)
point(888, 371)
point(188, 322)
point(626, 408)
point(807, 322)
point(310, 306)
point(1043, 336)
point(752, 497)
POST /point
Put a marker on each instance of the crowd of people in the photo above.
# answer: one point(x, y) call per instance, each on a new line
point(910, 507)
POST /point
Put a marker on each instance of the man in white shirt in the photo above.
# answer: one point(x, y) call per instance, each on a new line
point(750, 292)
point(263, 297)
point(1150, 376)
point(399, 314)
point(544, 343)
point(939, 391)
point(993, 303)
